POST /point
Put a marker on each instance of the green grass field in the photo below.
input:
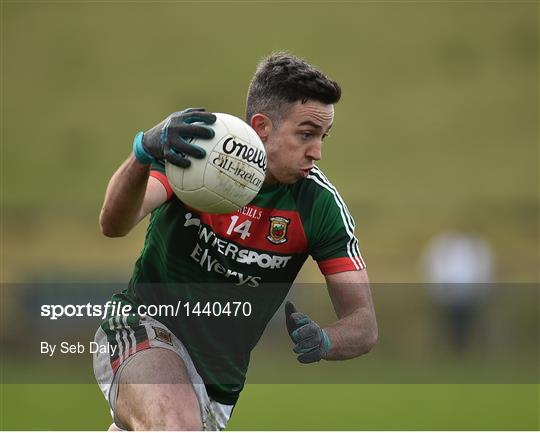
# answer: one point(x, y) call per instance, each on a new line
point(302, 407)
point(437, 129)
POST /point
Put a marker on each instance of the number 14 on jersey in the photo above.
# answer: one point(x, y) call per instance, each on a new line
point(242, 229)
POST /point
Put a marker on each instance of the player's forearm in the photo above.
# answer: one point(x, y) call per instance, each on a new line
point(124, 198)
point(352, 335)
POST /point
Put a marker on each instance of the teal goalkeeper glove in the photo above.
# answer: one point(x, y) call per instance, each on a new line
point(311, 342)
point(169, 140)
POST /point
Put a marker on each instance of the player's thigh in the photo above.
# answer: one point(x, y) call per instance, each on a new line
point(155, 393)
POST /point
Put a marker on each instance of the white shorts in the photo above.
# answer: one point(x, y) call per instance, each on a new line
point(133, 335)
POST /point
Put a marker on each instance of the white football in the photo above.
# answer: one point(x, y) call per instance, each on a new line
point(230, 175)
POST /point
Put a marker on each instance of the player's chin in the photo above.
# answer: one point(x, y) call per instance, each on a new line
point(291, 179)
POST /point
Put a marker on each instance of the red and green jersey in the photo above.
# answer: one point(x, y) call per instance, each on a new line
point(251, 255)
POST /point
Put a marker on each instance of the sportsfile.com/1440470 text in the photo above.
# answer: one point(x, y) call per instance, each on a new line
point(114, 308)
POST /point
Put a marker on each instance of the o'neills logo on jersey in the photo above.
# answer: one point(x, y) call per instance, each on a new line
point(246, 152)
point(278, 230)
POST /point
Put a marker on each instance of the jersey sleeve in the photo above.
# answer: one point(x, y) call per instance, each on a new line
point(334, 245)
point(157, 171)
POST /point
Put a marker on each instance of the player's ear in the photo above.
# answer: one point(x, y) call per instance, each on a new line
point(262, 125)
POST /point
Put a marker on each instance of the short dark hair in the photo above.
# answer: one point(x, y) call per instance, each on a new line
point(282, 79)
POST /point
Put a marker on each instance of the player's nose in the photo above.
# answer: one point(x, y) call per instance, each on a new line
point(315, 152)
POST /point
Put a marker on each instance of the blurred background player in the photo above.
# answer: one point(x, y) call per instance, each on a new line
point(458, 266)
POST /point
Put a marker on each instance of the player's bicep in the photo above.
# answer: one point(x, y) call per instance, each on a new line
point(349, 291)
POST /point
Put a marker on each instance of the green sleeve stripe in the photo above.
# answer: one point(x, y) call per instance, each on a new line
point(352, 245)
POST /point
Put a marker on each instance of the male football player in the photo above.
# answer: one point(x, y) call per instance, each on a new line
point(185, 372)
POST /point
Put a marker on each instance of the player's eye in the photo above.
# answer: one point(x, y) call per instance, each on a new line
point(325, 135)
point(306, 135)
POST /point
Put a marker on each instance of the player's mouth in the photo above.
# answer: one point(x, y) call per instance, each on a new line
point(305, 171)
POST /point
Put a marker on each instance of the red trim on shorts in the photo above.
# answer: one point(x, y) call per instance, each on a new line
point(341, 264)
point(164, 181)
point(141, 346)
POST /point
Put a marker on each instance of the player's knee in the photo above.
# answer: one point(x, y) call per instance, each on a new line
point(183, 420)
point(170, 420)
point(167, 413)
point(190, 423)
